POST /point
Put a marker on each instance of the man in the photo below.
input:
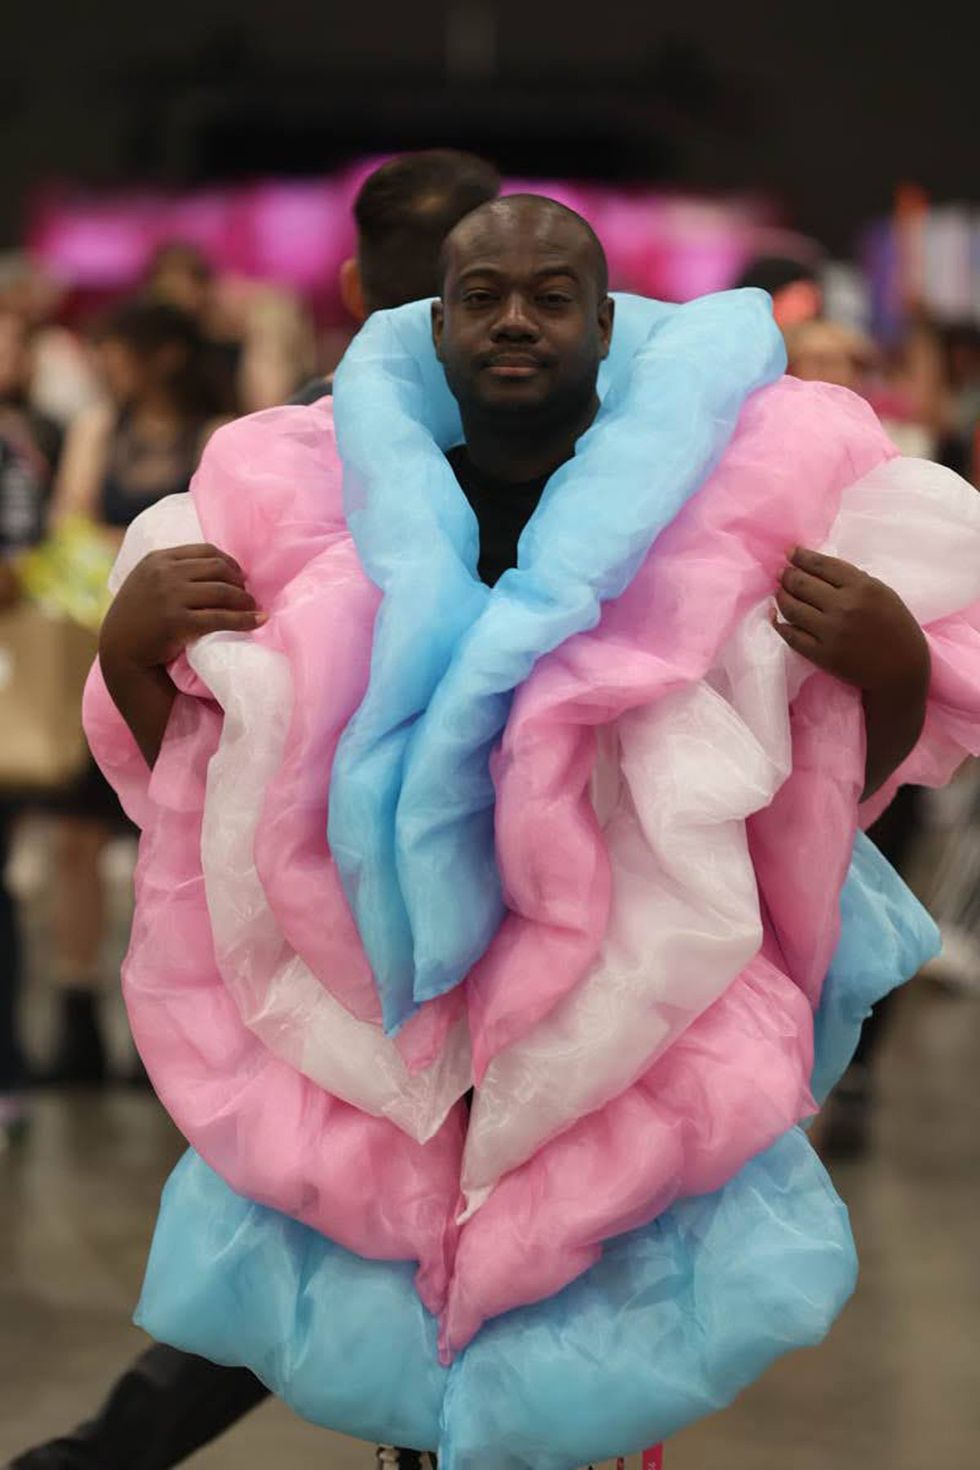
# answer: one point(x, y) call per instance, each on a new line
point(524, 321)
point(169, 1404)
point(523, 325)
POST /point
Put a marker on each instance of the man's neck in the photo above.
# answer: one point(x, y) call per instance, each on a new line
point(516, 451)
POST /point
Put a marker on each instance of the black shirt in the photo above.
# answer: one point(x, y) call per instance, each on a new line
point(140, 472)
point(502, 510)
point(312, 392)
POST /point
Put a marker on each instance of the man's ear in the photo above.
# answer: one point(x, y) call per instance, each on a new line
point(607, 316)
point(438, 321)
point(352, 290)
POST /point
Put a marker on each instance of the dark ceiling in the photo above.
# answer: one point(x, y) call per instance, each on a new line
point(829, 108)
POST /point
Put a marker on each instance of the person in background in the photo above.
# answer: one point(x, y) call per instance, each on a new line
point(13, 1104)
point(827, 352)
point(794, 286)
point(62, 381)
point(169, 1404)
point(21, 422)
point(121, 456)
point(954, 886)
point(403, 212)
point(959, 445)
point(30, 445)
point(258, 334)
point(181, 274)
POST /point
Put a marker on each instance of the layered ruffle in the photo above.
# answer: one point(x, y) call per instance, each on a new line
point(669, 1325)
point(589, 837)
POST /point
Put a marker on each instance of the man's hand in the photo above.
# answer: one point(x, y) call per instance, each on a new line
point(854, 627)
point(172, 598)
point(169, 600)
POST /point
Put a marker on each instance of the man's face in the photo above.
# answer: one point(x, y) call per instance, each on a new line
point(521, 328)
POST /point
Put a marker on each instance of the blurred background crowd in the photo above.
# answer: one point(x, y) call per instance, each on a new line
point(175, 222)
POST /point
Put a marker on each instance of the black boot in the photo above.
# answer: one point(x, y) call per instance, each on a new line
point(390, 1457)
point(79, 1058)
point(849, 1117)
point(165, 1407)
point(136, 1075)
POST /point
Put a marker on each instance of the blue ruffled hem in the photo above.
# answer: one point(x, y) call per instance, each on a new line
point(674, 1320)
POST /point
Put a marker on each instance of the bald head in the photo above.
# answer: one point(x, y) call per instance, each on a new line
point(525, 318)
point(524, 217)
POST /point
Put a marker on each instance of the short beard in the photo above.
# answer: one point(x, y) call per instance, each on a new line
point(522, 421)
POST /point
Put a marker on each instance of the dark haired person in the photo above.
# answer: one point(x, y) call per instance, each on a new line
point(403, 213)
point(143, 442)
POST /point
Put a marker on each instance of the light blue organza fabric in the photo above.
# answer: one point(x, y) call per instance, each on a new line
point(886, 937)
point(411, 799)
point(673, 1321)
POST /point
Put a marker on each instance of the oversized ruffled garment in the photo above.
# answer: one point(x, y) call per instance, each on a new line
point(592, 850)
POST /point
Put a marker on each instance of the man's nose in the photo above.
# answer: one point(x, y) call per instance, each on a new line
point(515, 321)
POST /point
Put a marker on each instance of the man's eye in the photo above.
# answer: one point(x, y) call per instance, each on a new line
point(555, 298)
point(478, 297)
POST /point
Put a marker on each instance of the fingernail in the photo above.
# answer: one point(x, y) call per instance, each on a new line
point(261, 618)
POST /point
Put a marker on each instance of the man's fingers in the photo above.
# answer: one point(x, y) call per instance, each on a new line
point(798, 639)
point(204, 553)
point(828, 568)
point(800, 614)
point(219, 620)
point(211, 596)
point(805, 587)
point(212, 569)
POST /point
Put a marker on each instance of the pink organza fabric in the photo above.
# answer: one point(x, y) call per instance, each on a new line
point(677, 797)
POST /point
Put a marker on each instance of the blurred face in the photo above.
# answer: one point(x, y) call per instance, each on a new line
point(182, 280)
point(125, 373)
point(822, 355)
point(15, 357)
point(521, 328)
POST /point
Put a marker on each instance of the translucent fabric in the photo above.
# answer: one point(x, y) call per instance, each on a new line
point(672, 1322)
point(676, 807)
point(412, 806)
point(681, 916)
point(670, 1325)
point(675, 837)
point(277, 993)
point(886, 937)
point(680, 977)
point(274, 1134)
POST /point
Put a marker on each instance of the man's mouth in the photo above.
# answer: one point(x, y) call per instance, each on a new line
point(513, 365)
